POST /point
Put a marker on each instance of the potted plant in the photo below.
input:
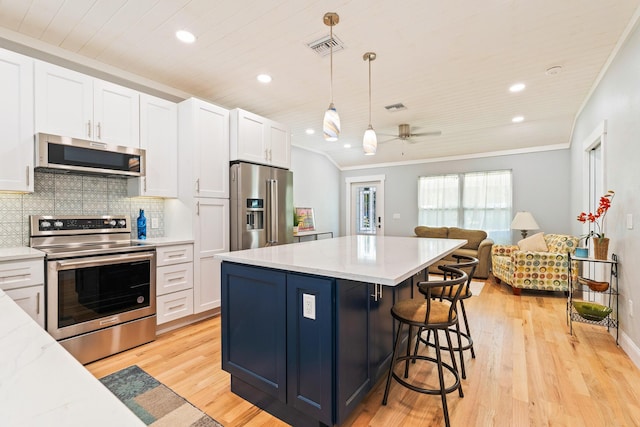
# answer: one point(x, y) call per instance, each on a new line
point(296, 221)
point(600, 242)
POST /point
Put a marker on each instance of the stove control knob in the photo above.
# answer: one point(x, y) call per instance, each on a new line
point(112, 223)
point(45, 224)
point(57, 224)
point(122, 223)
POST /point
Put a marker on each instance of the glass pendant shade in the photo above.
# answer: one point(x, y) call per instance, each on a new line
point(331, 124)
point(370, 141)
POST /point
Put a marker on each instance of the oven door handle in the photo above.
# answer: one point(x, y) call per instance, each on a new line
point(103, 260)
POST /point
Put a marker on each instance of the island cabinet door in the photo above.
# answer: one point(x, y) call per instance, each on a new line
point(353, 352)
point(309, 345)
point(254, 327)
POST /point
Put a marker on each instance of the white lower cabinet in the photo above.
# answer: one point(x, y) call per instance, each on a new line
point(23, 282)
point(212, 237)
point(174, 282)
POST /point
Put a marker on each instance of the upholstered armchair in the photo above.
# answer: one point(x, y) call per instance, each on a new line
point(539, 262)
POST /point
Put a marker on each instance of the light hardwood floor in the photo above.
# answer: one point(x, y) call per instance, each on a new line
point(528, 372)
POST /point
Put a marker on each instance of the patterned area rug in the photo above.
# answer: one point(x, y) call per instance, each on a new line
point(153, 402)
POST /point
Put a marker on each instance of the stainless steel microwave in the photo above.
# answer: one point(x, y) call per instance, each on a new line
point(60, 154)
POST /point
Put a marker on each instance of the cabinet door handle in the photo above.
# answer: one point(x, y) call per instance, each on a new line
point(145, 184)
point(377, 292)
point(266, 154)
point(89, 128)
point(99, 132)
point(28, 178)
point(198, 185)
point(38, 303)
point(198, 208)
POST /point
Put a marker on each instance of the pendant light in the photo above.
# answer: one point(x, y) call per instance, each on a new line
point(369, 141)
point(331, 122)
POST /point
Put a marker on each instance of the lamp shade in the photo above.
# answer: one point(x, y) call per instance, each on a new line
point(524, 221)
point(331, 124)
point(370, 141)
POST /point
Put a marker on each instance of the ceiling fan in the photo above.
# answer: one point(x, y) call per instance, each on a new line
point(404, 134)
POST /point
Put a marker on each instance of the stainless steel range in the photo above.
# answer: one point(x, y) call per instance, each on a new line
point(100, 286)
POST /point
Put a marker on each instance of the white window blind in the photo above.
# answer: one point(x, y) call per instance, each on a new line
point(475, 200)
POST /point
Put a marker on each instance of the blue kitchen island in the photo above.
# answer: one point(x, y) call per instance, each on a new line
point(306, 327)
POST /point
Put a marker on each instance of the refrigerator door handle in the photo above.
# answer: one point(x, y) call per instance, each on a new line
point(273, 206)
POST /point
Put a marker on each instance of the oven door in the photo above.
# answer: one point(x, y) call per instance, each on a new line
point(91, 293)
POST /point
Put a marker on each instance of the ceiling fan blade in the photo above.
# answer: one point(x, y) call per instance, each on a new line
point(388, 140)
point(432, 133)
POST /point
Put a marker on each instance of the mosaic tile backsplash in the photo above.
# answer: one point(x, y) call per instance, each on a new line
point(62, 194)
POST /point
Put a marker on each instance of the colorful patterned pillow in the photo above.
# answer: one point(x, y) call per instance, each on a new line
point(561, 243)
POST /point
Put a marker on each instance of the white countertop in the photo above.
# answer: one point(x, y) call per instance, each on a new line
point(385, 260)
point(41, 384)
point(20, 252)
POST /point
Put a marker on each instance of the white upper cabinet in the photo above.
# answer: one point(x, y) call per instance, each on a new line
point(159, 138)
point(259, 140)
point(73, 104)
point(16, 122)
point(116, 113)
point(204, 147)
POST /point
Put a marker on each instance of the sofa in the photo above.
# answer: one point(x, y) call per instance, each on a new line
point(478, 246)
point(539, 262)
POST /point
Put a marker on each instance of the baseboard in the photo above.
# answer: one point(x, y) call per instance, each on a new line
point(629, 347)
point(179, 323)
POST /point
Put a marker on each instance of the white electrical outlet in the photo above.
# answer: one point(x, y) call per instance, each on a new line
point(396, 216)
point(154, 223)
point(309, 306)
point(630, 308)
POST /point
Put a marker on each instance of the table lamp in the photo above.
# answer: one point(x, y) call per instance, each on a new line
point(524, 222)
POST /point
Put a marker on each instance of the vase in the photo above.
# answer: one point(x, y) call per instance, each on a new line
point(600, 247)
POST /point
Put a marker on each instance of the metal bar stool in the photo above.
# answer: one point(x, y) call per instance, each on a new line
point(433, 315)
point(467, 264)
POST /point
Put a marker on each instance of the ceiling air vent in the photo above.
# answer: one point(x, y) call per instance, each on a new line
point(323, 46)
point(395, 107)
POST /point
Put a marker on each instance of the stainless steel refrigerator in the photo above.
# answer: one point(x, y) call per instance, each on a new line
point(261, 206)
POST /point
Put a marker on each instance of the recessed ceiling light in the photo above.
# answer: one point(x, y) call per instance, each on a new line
point(517, 119)
point(347, 145)
point(185, 36)
point(264, 78)
point(310, 131)
point(517, 87)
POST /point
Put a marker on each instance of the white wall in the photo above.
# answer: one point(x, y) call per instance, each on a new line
point(540, 185)
point(316, 183)
point(616, 99)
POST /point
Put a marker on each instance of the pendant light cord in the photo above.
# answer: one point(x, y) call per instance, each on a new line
point(331, 59)
point(369, 91)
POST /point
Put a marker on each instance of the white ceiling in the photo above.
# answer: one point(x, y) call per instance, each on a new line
point(449, 61)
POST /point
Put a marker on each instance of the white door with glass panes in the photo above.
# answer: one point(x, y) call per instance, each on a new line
point(365, 215)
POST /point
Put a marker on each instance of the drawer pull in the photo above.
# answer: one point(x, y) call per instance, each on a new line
point(175, 255)
point(15, 277)
point(175, 279)
point(176, 307)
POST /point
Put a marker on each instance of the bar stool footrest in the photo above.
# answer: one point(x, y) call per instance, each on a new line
point(413, 387)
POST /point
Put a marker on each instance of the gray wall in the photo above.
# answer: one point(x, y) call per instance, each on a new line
point(315, 185)
point(616, 99)
point(540, 185)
